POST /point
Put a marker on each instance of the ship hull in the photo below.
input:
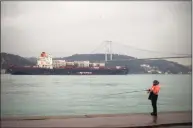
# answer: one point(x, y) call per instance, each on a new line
point(43, 71)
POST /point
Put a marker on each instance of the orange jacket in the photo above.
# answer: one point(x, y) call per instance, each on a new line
point(155, 89)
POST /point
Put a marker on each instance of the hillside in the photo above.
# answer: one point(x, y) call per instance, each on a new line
point(135, 66)
point(8, 59)
point(32, 60)
point(85, 57)
point(160, 65)
point(93, 57)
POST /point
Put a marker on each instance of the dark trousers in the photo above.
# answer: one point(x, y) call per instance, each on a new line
point(154, 103)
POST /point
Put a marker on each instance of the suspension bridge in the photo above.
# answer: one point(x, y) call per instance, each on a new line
point(110, 48)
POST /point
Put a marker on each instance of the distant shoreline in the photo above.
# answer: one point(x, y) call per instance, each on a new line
point(95, 75)
point(136, 67)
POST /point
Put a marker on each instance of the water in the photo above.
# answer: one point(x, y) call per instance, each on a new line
point(78, 95)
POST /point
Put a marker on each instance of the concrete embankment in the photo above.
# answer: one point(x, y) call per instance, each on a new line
point(164, 119)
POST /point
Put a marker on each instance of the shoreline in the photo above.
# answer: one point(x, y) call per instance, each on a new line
point(81, 116)
point(164, 119)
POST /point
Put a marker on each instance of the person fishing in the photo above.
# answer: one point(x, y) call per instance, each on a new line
point(153, 96)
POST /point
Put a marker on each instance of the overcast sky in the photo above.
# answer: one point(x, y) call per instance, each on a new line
point(64, 28)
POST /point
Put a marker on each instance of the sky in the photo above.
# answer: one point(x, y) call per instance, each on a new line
point(63, 28)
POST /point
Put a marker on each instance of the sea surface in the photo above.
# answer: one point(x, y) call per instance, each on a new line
point(80, 95)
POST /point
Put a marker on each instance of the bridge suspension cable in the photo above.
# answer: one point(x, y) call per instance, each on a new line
point(107, 47)
point(129, 46)
point(171, 57)
point(101, 45)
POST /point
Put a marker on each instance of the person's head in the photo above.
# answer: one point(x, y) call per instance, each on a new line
point(155, 82)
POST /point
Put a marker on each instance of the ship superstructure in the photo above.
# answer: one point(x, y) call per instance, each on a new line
point(45, 61)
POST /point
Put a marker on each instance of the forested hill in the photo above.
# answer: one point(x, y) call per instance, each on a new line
point(11, 59)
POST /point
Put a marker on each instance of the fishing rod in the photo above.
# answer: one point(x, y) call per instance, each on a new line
point(128, 92)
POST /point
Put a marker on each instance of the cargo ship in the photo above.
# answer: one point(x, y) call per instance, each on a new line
point(47, 66)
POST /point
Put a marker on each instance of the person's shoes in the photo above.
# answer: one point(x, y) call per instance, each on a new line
point(154, 114)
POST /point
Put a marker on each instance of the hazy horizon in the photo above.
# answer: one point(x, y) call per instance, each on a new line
point(63, 28)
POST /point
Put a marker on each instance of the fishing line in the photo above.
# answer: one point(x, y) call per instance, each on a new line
point(128, 92)
point(104, 96)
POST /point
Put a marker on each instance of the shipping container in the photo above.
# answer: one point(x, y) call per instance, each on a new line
point(94, 64)
point(118, 67)
point(102, 64)
point(70, 63)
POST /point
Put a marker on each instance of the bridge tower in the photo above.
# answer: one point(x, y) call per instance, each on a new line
point(108, 46)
